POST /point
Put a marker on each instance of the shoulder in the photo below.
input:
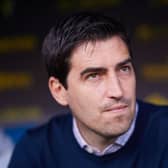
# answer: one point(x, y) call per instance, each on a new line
point(37, 141)
point(153, 108)
point(42, 134)
point(157, 116)
point(54, 125)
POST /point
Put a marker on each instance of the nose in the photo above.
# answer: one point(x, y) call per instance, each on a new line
point(114, 88)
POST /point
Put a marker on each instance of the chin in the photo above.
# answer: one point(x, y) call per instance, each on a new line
point(117, 130)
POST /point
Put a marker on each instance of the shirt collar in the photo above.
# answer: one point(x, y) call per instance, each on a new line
point(119, 143)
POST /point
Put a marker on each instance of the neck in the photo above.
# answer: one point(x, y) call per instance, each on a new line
point(94, 139)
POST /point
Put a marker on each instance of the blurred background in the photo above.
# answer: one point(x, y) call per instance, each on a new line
point(24, 96)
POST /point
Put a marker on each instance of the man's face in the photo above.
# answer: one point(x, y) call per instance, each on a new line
point(101, 88)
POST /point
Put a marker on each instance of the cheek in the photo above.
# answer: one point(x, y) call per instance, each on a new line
point(129, 86)
point(78, 99)
point(83, 104)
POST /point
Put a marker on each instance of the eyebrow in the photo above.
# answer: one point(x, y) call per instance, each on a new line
point(93, 69)
point(128, 60)
point(102, 69)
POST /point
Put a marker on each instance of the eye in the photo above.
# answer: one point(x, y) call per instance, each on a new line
point(93, 76)
point(125, 69)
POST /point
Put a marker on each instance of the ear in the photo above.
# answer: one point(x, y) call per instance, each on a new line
point(58, 91)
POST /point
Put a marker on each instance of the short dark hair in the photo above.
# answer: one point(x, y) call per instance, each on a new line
point(73, 30)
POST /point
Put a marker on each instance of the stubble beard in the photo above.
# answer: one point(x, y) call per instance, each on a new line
point(121, 123)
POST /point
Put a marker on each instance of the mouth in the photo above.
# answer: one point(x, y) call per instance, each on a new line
point(116, 108)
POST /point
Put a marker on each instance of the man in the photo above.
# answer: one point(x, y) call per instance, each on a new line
point(89, 62)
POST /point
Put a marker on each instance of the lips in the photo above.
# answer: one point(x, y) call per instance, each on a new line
point(116, 108)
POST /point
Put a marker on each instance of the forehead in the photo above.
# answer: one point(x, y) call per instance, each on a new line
point(99, 53)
